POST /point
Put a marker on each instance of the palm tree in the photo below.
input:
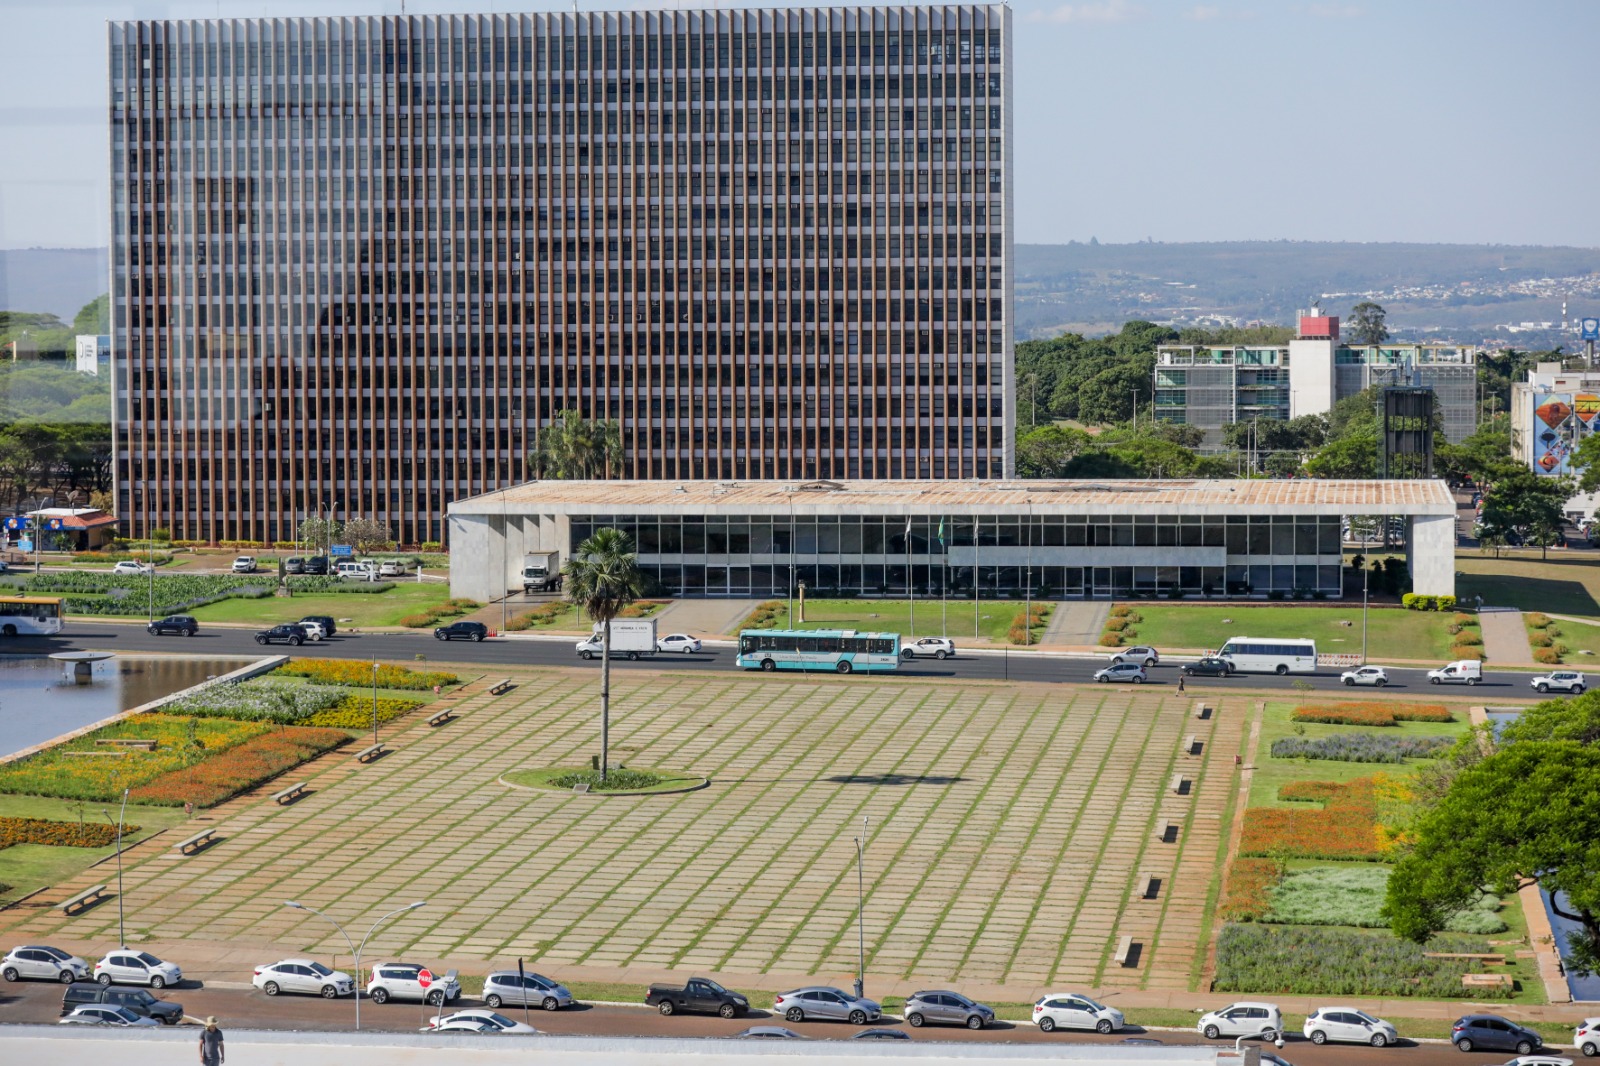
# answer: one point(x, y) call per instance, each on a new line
point(603, 577)
point(573, 446)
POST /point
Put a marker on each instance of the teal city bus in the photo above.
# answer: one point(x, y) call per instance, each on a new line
point(840, 650)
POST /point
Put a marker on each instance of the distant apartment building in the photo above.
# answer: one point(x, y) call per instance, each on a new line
point(93, 353)
point(358, 263)
point(1550, 413)
point(1211, 386)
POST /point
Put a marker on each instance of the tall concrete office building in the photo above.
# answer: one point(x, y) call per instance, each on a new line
point(358, 263)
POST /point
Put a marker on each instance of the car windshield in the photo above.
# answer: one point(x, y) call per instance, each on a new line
point(124, 1013)
point(501, 1020)
point(321, 970)
point(712, 985)
point(148, 959)
point(55, 953)
point(1092, 1004)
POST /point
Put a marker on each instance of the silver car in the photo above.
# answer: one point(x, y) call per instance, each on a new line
point(106, 1014)
point(1144, 655)
point(825, 1004)
point(534, 990)
point(44, 963)
point(946, 1008)
point(1131, 672)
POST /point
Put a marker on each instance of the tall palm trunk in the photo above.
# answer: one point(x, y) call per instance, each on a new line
point(605, 699)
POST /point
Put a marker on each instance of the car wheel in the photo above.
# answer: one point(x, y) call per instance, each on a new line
point(1350, 682)
point(1524, 1047)
point(1382, 681)
point(10, 973)
point(270, 988)
point(172, 1019)
point(586, 655)
point(1101, 679)
point(1379, 1040)
point(1212, 1032)
point(1047, 1024)
point(65, 977)
point(1137, 680)
point(380, 995)
point(9, 630)
point(858, 1017)
point(907, 654)
point(727, 1010)
point(1590, 1050)
point(844, 666)
point(941, 654)
point(435, 999)
point(1148, 663)
point(914, 1020)
point(329, 992)
point(687, 650)
point(1471, 681)
point(261, 640)
point(1463, 1044)
point(296, 641)
point(1577, 690)
point(794, 1014)
point(1435, 681)
point(104, 979)
point(550, 1003)
point(492, 1001)
point(1282, 669)
point(477, 636)
point(1542, 688)
point(153, 631)
point(158, 982)
point(190, 632)
point(1319, 1037)
point(633, 656)
point(438, 635)
point(1103, 1026)
point(768, 664)
point(665, 1006)
point(975, 1021)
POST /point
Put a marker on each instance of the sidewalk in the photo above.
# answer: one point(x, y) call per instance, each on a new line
point(1505, 638)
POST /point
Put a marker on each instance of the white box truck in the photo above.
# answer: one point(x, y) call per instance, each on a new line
point(541, 572)
point(1461, 672)
point(630, 638)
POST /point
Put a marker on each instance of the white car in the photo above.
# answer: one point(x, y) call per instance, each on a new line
point(1346, 1025)
point(314, 630)
point(1144, 655)
point(1561, 681)
point(1241, 1019)
point(1365, 675)
point(45, 963)
point(107, 1014)
point(391, 568)
point(1133, 672)
point(1071, 1010)
point(126, 967)
point(1539, 1060)
point(937, 647)
point(1586, 1037)
point(303, 975)
point(482, 1021)
point(403, 980)
point(245, 564)
point(128, 567)
point(681, 642)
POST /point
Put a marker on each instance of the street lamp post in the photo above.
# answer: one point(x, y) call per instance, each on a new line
point(122, 936)
point(374, 701)
point(1366, 572)
point(861, 912)
point(355, 952)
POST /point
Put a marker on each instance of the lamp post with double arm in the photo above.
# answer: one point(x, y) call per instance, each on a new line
point(355, 951)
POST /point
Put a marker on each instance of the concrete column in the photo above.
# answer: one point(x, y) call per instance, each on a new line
point(1431, 555)
point(472, 538)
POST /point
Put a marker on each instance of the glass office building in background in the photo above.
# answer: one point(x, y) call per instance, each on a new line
point(357, 263)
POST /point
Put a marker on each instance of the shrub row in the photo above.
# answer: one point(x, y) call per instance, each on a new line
point(180, 742)
point(355, 672)
point(1022, 626)
point(1537, 620)
point(1336, 962)
point(59, 834)
point(1248, 891)
point(447, 609)
point(619, 780)
point(127, 593)
point(213, 780)
point(1548, 656)
point(1310, 791)
point(1360, 747)
point(542, 615)
point(641, 608)
point(1464, 619)
point(1373, 714)
point(1466, 651)
point(160, 558)
point(1345, 827)
point(765, 616)
point(1416, 601)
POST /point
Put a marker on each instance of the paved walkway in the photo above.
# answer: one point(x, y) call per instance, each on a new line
point(1076, 622)
point(1505, 638)
point(705, 618)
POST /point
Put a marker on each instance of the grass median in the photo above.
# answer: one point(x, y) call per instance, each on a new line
point(1392, 633)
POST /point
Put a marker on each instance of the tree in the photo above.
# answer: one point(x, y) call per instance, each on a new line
point(319, 533)
point(366, 534)
point(603, 577)
point(1525, 503)
point(1586, 460)
point(574, 447)
point(1575, 718)
point(1347, 457)
point(95, 316)
point(1528, 814)
point(1283, 464)
point(1366, 323)
point(1045, 452)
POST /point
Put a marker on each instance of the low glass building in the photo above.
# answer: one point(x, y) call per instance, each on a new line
point(1055, 539)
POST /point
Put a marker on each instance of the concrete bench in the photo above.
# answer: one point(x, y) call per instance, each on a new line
point(368, 754)
point(504, 685)
point(196, 842)
point(1180, 784)
point(84, 900)
point(1202, 711)
point(1169, 835)
point(440, 717)
point(1489, 958)
point(1486, 980)
point(1124, 952)
point(143, 745)
point(1189, 745)
point(290, 794)
point(1149, 886)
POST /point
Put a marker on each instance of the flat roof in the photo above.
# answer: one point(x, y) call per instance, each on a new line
point(1258, 496)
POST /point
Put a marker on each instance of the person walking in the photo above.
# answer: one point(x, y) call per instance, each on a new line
point(211, 1043)
point(1180, 682)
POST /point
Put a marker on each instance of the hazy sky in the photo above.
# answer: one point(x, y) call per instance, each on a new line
point(1386, 120)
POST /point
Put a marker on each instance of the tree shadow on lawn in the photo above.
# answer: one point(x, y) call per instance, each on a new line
point(1529, 593)
point(895, 779)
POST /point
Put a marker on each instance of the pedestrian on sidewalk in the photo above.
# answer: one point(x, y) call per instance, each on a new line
point(211, 1043)
point(1180, 682)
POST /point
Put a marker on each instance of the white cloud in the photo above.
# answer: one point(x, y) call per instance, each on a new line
point(1103, 12)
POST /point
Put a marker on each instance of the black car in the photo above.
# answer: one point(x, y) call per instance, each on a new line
point(138, 1000)
point(289, 633)
point(325, 621)
point(461, 631)
point(1210, 666)
point(317, 564)
point(182, 624)
point(1494, 1033)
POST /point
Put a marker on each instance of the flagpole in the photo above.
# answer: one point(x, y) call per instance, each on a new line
point(977, 583)
point(944, 582)
point(911, 579)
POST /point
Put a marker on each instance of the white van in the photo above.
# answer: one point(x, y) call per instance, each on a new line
point(1461, 672)
point(355, 572)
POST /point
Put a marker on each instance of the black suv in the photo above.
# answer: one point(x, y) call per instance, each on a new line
point(326, 621)
point(289, 633)
point(317, 564)
point(462, 631)
point(182, 624)
point(138, 1000)
point(1494, 1033)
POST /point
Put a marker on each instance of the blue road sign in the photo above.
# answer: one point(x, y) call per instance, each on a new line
point(341, 550)
point(1591, 329)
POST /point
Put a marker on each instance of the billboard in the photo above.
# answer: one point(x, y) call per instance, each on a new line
point(1560, 420)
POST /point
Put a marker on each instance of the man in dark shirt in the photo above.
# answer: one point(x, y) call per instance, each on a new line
point(211, 1044)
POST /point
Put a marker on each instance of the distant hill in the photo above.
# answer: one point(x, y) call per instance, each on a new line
point(56, 280)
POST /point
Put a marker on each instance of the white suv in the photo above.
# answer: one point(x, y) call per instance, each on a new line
point(245, 564)
point(1241, 1019)
point(936, 647)
point(1071, 1010)
point(1562, 681)
point(402, 980)
point(130, 567)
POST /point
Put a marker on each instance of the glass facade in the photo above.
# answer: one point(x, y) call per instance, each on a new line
point(1057, 556)
point(358, 263)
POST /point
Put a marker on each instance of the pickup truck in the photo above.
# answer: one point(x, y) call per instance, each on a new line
point(701, 995)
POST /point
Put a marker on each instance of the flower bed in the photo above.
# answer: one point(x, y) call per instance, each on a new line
point(619, 780)
point(355, 712)
point(1353, 894)
point(1248, 892)
point(180, 742)
point(213, 780)
point(1345, 827)
point(284, 702)
point(1312, 791)
point(1360, 747)
point(447, 609)
point(1338, 962)
point(1373, 714)
point(103, 593)
point(356, 672)
point(59, 834)
point(1025, 623)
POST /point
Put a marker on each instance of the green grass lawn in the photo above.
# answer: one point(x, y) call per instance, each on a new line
point(1392, 633)
point(363, 609)
point(955, 619)
point(1565, 584)
point(1578, 638)
point(29, 867)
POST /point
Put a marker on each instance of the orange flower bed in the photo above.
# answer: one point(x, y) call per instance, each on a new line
point(213, 780)
point(1317, 791)
point(1248, 893)
point(1374, 714)
point(1345, 827)
point(59, 834)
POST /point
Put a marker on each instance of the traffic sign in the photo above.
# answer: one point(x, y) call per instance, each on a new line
point(340, 549)
point(1591, 329)
point(424, 978)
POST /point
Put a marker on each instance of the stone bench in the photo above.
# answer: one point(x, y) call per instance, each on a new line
point(84, 900)
point(1149, 886)
point(1188, 745)
point(1486, 980)
point(196, 842)
point(1180, 784)
point(440, 717)
point(1489, 958)
point(290, 794)
point(503, 685)
point(129, 742)
point(1169, 834)
point(368, 754)
point(1202, 711)
point(1124, 952)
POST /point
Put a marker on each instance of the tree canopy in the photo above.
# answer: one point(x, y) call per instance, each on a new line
point(1365, 325)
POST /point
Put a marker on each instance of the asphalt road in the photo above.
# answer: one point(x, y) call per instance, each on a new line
point(1497, 686)
point(39, 1002)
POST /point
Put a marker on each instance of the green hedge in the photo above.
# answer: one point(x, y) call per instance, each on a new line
point(125, 594)
point(1418, 602)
